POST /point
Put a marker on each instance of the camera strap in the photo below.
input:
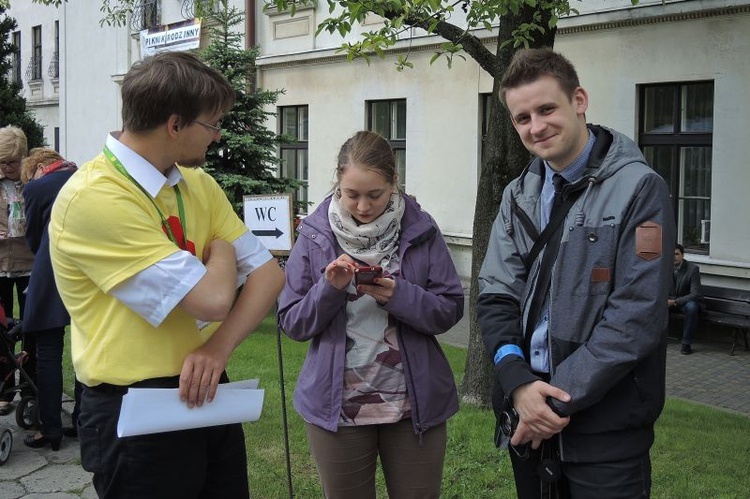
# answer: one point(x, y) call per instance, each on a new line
point(557, 218)
point(549, 464)
point(549, 470)
point(549, 240)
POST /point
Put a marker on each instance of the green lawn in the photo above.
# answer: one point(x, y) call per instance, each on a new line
point(700, 452)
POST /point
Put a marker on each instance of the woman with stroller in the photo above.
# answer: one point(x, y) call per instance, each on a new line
point(45, 316)
point(15, 257)
point(375, 381)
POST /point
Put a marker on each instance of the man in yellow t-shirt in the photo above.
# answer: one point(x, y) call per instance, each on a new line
point(145, 253)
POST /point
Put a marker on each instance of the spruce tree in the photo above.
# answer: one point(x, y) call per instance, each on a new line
point(12, 105)
point(244, 161)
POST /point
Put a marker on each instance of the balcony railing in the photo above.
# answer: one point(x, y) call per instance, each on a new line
point(34, 69)
point(145, 15)
point(198, 8)
point(54, 66)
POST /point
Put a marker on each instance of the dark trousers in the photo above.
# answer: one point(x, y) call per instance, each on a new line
point(49, 379)
point(7, 285)
point(201, 463)
point(78, 387)
point(691, 310)
point(625, 479)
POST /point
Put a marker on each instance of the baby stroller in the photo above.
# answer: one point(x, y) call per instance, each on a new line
point(11, 331)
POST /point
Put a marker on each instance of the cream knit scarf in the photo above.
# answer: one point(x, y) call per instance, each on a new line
point(376, 242)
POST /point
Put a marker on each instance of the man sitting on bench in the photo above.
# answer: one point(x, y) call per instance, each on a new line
point(686, 296)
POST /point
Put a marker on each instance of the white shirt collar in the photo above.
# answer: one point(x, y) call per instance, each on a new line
point(140, 169)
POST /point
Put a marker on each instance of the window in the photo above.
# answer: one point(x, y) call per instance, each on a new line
point(388, 118)
point(293, 124)
point(676, 136)
point(145, 15)
point(16, 58)
point(54, 64)
point(34, 71)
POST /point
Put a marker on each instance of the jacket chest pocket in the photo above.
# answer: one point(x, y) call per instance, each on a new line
point(588, 259)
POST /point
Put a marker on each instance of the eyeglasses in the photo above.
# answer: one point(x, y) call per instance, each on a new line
point(10, 164)
point(215, 128)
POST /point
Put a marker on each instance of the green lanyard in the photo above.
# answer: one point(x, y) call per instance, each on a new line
point(180, 207)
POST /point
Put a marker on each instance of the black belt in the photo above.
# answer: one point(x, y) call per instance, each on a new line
point(164, 382)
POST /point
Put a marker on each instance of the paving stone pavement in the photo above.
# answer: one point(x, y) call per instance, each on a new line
point(43, 473)
point(710, 376)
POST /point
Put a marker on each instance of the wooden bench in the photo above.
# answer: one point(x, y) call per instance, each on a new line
point(725, 307)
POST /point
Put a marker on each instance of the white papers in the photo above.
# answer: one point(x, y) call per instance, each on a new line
point(156, 410)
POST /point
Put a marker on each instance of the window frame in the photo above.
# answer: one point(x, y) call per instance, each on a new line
point(302, 172)
point(16, 58)
point(54, 65)
point(398, 144)
point(36, 53)
point(678, 141)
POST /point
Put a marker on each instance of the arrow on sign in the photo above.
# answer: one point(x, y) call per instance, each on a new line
point(269, 233)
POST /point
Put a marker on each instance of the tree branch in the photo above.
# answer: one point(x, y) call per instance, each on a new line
point(471, 44)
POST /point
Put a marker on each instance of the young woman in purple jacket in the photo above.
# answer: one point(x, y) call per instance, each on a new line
point(375, 381)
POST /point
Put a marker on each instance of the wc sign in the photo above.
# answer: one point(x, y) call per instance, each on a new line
point(269, 218)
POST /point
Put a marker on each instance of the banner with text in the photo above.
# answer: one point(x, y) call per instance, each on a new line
point(175, 37)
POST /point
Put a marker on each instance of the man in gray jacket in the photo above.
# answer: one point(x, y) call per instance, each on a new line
point(572, 293)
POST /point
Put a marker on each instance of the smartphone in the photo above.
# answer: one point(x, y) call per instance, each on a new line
point(367, 275)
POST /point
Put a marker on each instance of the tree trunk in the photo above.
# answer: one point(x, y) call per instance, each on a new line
point(504, 158)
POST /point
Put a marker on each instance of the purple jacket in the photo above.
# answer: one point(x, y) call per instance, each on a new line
point(428, 300)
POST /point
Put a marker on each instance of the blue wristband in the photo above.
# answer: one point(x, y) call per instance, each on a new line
point(506, 350)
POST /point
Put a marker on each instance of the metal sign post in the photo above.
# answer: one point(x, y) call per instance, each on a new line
point(269, 218)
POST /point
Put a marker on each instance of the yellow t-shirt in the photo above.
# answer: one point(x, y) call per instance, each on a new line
point(104, 230)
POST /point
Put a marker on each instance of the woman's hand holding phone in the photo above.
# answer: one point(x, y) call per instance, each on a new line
point(340, 271)
point(371, 282)
point(366, 274)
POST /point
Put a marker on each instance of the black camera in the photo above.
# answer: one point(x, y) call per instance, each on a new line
point(509, 422)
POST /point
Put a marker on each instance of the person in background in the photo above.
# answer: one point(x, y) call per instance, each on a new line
point(45, 172)
point(572, 291)
point(686, 296)
point(15, 258)
point(146, 249)
point(375, 381)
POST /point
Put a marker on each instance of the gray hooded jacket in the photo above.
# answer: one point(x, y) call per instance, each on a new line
point(608, 287)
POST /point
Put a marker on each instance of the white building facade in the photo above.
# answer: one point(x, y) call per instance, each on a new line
point(36, 64)
point(671, 75)
point(81, 104)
